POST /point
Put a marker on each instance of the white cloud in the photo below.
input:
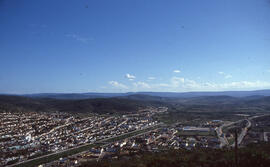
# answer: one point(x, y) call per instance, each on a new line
point(243, 85)
point(130, 77)
point(118, 85)
point(142, 85)
point(78, 38)
point(228, 76)
point(163, 85)
point(176, 71)
point(184, 84)
point(181, 84)
point(177, 82)
point(151, 78)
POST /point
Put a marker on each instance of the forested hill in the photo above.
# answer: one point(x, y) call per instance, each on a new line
point(98, 105)
point(134, 102)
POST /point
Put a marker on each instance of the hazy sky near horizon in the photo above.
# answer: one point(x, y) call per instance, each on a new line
point(134, 45)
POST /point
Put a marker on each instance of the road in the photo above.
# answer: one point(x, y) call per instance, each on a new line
point(244, 130)
point(243, 133)
point(265, 138)
point(222, 138)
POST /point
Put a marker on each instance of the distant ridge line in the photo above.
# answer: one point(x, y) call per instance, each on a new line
point(88, 95)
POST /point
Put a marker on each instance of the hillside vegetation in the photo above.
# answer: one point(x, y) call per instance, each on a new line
point(132, 103)
point(256, 155)
point(99, 105)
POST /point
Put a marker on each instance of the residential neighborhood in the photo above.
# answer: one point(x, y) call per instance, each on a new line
point(29, 135)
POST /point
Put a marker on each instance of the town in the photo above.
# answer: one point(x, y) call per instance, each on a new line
point(28, 135)
point(31, 135)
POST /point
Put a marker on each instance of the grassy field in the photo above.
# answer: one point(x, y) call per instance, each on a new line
point(195, 118)
point(196, 133)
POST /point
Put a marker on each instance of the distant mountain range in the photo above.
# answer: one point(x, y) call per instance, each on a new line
point(158, 94)
point(233, 101)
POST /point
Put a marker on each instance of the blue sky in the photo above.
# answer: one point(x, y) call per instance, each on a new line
point(134, 45)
